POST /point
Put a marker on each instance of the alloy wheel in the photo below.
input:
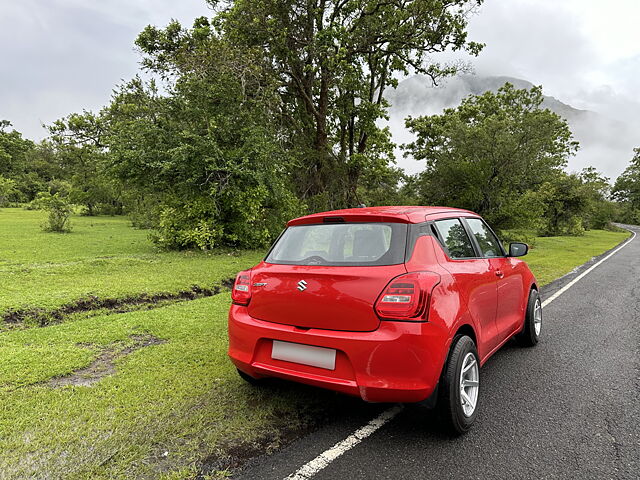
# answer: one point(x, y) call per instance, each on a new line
point(469, 384)
point(537, 317)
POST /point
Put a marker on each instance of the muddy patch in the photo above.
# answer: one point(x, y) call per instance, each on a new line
point(41, 318)
point(104, 365)
point(230, 457)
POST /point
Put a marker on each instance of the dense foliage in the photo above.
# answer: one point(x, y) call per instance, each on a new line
point(487, 154)
point(206, 159)
point(273, 108)
point(270, 109)
point(333, 61)
point(502, 155)
point(626, 190)
point(569, 204)
point(16, 165)
point(68, 163)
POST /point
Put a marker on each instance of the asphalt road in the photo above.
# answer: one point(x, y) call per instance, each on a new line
point(568, 408)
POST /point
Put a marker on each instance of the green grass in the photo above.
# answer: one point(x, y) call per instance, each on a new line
point(103, 256)
point(168, 408)
point(553, 257)
point(181, 397)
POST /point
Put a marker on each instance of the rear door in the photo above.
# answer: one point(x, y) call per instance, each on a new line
point(475, 276)
point(328, 276)
point(509, 279)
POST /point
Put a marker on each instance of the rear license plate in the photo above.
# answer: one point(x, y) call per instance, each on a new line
point(304, 354)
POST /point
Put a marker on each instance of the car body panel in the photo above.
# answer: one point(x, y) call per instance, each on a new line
point(512, 288)
point(474, 280)
point(402, 214)
point(333, 298)
point(378, 360)
point(399, 361)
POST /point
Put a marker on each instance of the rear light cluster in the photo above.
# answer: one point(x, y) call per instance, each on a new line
point(241, 293)
point(406, 297)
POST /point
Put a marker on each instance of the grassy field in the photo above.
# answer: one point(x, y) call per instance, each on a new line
point(553, 257)
point(147, 393)
point(102, 256)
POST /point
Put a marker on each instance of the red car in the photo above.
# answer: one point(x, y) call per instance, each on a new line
point(391, 304)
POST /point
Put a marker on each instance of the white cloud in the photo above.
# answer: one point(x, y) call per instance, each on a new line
point(62, 56)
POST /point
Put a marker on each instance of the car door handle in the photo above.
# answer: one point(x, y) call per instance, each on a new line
point(499, 274)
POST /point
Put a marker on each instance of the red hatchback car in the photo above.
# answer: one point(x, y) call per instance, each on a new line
point(392, 304)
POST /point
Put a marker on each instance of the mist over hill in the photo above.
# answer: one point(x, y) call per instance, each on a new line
point(606, 143)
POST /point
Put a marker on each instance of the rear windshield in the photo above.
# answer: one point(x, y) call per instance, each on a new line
point(348, 244)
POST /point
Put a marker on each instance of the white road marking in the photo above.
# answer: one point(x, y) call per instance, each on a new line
point(325, 458)
point(588, 270)
point(309, 469)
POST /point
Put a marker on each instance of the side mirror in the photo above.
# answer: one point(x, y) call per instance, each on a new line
point(518, 249)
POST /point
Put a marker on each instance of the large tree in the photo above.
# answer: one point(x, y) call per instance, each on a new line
point(206, 150)
point(332, 61)
point(80, 151)
point(489, 152)
point(13, 150)
point(27, 165)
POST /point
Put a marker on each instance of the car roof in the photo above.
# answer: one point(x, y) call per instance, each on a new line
point(395, 214)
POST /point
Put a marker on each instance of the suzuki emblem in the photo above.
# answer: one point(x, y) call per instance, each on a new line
point(302, 285)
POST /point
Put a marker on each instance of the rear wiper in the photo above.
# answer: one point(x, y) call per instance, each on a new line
point(314, 260)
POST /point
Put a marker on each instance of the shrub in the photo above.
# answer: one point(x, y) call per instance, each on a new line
point(59, 212)
point(518, 235)
point(8, 191)
point(251, 218)
point(143, 211)
point(627, 214)
point(187, 226)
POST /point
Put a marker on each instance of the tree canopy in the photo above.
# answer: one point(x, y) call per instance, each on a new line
point(626, 190)
point(488, 153)
point(329, 63)
point(627, 186)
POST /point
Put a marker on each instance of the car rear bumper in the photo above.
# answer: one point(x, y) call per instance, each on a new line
point(398, 362)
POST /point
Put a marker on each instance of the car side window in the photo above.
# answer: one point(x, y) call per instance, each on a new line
point(489, 244)
point(455, 238)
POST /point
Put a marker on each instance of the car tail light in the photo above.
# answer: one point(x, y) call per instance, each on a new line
point(406, 297)
point(241, 293)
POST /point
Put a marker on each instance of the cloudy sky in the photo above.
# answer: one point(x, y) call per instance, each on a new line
point(62, 56)
point(584, 52)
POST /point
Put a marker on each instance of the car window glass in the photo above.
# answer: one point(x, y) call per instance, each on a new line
point(341, 244)
point(455, 238)
point(489, 244)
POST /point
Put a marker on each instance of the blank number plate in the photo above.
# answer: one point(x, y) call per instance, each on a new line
point(304, 354)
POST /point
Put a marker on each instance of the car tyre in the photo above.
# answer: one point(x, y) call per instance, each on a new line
point(459, 386)
point(530, 333)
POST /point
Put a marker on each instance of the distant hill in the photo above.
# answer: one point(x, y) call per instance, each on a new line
point(418, 94)
point(605, 143)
